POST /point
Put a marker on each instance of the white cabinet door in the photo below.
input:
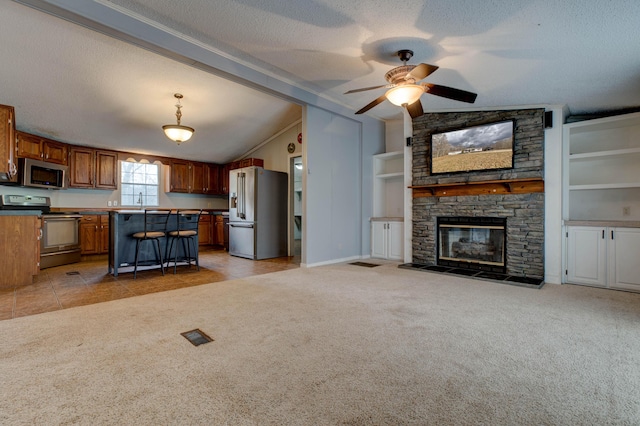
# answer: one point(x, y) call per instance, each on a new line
point(379, 239)
point(624, 258)
point(395, 240)
point(586, 255)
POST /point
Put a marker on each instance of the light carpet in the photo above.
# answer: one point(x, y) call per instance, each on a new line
point(337, 344)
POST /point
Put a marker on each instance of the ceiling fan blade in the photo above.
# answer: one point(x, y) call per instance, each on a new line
point(369, 88)
point(415, 109)
point(421, 71)
point(372, 104)
point(450, 92)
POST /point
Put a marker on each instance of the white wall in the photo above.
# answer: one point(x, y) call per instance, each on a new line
point(274, 152)
point(553, 197)
point(394, 135)
point(335, 218)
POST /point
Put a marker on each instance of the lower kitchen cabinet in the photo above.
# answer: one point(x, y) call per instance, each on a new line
point(218, 230)
point(387, 239)
point(204, 230)
point(603, 257)
point(94, 234)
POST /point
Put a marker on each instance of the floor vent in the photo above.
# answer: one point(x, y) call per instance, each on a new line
point(73, 273)
point(196, 337)
point(365, 264)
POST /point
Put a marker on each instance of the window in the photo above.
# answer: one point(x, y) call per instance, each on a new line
point(139, 184)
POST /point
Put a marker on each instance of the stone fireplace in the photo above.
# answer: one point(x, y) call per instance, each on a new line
point(503, 209)
point(472, 242)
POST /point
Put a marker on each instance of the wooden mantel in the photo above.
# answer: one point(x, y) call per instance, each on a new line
point(487, 187)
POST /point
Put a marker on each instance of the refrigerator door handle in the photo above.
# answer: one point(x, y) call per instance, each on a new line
point(241, 200)
point(242, 225)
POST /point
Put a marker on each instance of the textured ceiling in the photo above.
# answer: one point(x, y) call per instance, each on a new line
point(511, 52)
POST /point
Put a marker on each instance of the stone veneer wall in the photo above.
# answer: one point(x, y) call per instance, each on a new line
point(524, 212)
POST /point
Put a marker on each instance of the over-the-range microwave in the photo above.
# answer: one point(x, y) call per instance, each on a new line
point(40, 174)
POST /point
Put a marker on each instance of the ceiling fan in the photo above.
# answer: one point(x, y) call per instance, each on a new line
point(404, 89)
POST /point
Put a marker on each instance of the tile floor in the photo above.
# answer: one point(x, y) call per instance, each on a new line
point(88, 282)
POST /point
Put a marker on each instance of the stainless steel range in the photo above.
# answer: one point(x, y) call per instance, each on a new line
point(60, 242)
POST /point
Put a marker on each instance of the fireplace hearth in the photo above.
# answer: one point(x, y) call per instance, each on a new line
point(476, 243)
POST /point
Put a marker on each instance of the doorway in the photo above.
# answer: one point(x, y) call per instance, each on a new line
point(295, 206)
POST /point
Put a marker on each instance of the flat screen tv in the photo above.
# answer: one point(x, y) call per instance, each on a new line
point(484, 147)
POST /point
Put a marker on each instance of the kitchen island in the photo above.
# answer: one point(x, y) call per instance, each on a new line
point(122, 246)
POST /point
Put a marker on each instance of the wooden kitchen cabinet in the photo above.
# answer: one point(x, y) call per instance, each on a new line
point(8, 161)
point(94, 234)
point(198, 185)
point(92, 168)
point(224, 179)
point(204, 230)
point(218, 230)
point(39, 148)
point(248, 162)
point(212, 183)
point(20, 235)
point(193, 177)
point(179, 176)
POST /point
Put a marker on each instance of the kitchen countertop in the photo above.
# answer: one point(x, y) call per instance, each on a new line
point(86, 210)
point(20, 213)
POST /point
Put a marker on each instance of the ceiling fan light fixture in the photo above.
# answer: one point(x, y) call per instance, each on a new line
point(177, 132)
point(405, 94)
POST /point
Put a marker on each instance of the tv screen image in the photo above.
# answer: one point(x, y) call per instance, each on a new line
point(483, 147)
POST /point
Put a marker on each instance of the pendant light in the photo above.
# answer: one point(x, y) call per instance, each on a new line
point(177, 132)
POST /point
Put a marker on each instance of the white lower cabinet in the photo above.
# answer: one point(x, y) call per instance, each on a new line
point(387, 239)
point(604, 257)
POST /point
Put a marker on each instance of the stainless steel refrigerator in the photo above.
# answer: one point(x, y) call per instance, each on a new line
point(257, 213)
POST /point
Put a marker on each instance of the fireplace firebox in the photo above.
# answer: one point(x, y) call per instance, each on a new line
point(472, 243)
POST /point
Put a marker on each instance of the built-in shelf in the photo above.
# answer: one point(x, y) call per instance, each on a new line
point(601, 177)
point(604, 186)
point(505, 186)
point(388, 184)
point(390, 175)
point(602, 154)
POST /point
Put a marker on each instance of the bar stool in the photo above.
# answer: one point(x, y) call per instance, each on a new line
point(187, 229)
point(155, 227)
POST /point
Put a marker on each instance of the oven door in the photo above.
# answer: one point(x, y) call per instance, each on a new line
point(60, 243)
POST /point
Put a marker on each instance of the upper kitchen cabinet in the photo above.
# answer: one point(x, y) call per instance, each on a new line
point(8, 166)
point(193, 177)
point(39, 148)
point(92, 168)
point(198, 185)
point(248, 162)
point(211, 181)
point(180, 176)
point(223, 179)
